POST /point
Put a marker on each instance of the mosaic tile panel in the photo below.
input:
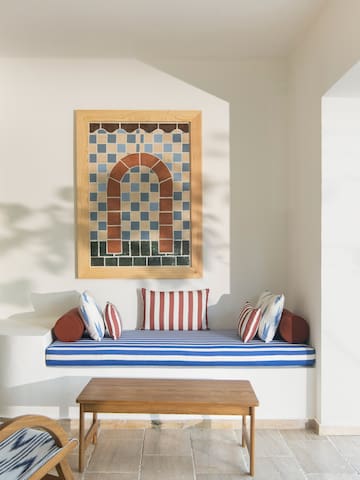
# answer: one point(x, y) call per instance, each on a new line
point(139, 194)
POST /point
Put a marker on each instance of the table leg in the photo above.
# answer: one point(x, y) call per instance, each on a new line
point(243, 431)
point(252, 441)
point(81, 438)
point(95, 422)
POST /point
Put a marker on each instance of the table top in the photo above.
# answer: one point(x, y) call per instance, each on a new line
point(114, 395)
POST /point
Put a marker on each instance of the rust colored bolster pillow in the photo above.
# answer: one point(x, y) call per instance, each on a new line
point(292, 328)
point(70, 327)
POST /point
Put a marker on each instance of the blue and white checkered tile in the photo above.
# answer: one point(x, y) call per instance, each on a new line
point(24, 452)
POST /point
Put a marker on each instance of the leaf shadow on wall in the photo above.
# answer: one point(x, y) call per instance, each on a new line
point(40, 237)
point(59, 393)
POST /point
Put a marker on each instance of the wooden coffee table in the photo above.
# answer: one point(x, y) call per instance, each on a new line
point(195, 397)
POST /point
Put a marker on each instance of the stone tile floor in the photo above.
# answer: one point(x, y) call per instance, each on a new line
point(214, 454)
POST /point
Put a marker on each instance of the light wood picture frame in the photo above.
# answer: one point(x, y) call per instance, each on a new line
point(138, 194)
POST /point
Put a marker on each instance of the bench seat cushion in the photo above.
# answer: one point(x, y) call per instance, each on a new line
point(218, 348)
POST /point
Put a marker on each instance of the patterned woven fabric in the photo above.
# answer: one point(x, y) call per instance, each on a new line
point(271, 306)
point(180, 310)
point(92, 316)
point(24, 452)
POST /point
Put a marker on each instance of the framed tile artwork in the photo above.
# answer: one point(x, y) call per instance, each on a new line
point(138, 194)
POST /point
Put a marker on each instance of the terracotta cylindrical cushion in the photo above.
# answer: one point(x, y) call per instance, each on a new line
point(292, 328)
point(70, 327)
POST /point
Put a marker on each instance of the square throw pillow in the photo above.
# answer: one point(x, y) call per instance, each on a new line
point(177, 310)
point(92, 316)
point(271, 306)
point(69, 327)
point(249, 320)
point(112, 320)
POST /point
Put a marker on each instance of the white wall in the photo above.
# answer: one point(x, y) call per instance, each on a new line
point(37, 254)
point(38, 98)
point(257, 92)
point(340, 258)
point(37, 188)
point(325, 53)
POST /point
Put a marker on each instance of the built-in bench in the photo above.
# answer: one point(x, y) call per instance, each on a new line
point(29, 385)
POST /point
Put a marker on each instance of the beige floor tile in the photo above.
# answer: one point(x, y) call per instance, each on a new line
point(206, 434)
point(167, 442)
point(277, 468)
point(122, 434)
point(220, 476)
point(306, 435)
point(166, 467)
point(217, 451)
point(269, 443)
point(319, 456)
point(281, 468)
point(348, 447)
point(73, 458)
point(117, 451)
point(331, 476)
point(110, 462)
point(121, 454)
point(355, 464)
point(111, 476)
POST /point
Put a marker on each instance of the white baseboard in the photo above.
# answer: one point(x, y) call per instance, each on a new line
point(336, 429)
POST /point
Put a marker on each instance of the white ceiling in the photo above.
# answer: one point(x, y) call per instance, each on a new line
point(154, 28)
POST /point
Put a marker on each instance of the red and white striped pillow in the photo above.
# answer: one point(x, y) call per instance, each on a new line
point(112, 320)
point(181, 310)
point(249, 320)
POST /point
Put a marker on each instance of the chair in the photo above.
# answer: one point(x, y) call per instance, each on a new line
point(31, 446)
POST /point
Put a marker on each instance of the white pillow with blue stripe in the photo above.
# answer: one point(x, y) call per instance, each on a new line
point(271, 306)
point(92, 316)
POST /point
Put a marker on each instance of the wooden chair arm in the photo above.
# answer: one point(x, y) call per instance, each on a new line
point(35, 421)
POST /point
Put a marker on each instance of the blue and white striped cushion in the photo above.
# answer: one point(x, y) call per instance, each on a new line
point(205, 348)
point(24, 452)
point(92, 316)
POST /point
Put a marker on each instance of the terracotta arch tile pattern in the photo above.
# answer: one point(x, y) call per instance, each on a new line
point(140, 203)
point(146, 161)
